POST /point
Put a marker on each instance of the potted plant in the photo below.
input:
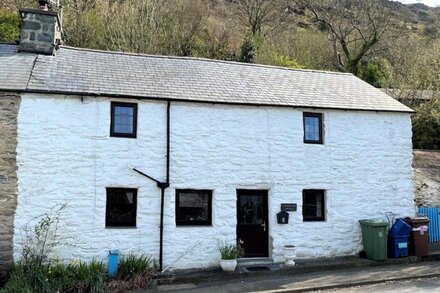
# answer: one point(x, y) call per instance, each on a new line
point(229, 254)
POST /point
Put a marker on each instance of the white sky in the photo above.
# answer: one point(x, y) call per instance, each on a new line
point(432, 3)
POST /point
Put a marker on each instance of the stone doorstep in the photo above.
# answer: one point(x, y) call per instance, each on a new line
point(277, 269)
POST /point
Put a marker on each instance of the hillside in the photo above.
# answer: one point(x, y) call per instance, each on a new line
point(277, 32)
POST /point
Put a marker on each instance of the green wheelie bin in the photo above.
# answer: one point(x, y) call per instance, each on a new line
point(374, 238)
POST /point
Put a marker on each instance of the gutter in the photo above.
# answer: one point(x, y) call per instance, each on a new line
point(162, 186)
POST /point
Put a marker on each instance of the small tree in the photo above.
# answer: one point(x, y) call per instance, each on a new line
point(256, 14)
point(248, 50)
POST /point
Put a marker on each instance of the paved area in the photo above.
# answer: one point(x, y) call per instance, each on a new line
point(430, 285)
point(313, 281)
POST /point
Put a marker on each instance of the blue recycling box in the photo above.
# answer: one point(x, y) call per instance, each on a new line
point(113, 259)
point(398, 246)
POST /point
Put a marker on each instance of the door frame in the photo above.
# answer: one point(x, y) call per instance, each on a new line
point(265, 194)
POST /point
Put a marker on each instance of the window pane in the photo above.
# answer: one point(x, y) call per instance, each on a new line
point(312, 124)
point(121, 207)
point(193, 207)
point(251, 209)
point(313, 205)
point(123, 120)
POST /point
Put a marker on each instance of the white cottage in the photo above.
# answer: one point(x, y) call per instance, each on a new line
point(169, 155)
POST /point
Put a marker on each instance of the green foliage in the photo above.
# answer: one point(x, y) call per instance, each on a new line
point(285, 61)
point(230, 251)
point(90, 277)
point(248, 50)
point(82, 277)
point(376, 72)
point(426, 126)
point(132, 265)
point(9, 26)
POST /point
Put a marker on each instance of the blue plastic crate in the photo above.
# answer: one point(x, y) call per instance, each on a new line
point(400, 228)
point(398, 246)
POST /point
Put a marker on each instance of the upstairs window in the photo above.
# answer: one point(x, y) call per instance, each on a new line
point(312, 128)
point(121, 207)
point(193, 207)
point(123, 119)
point(313, 205)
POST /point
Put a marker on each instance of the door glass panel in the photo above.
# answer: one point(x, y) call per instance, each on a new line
point(251, 209)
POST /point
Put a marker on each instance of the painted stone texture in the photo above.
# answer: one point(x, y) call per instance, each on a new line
point(65, 155)
point(9, 105)
point(427, 178)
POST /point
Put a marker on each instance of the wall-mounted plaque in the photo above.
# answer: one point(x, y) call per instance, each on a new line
point(288, 207)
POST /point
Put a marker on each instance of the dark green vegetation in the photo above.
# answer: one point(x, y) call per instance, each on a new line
point(386, 43)
point(38, 270)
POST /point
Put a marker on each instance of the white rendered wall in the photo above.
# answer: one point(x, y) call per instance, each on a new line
point(65, 154)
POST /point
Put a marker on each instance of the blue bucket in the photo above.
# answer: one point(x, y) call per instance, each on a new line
point(113, 259)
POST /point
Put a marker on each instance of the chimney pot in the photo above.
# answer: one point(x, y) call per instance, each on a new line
point(43, 5)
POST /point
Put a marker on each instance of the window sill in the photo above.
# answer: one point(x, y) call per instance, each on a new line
point(194, 225)
point(123, 136)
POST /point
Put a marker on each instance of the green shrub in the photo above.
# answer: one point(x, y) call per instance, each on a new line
point(131, 265)
point(90, 277)
point(58, 277)
point(426, 126)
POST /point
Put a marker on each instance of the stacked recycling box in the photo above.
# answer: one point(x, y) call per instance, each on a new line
point(398, 239)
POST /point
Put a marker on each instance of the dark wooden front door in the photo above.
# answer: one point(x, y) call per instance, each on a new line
point(252, 225)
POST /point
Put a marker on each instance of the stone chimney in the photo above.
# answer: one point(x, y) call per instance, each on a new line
point(40, 30)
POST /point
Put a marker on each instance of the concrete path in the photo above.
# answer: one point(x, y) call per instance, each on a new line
point(312, 281)
point(425, 285)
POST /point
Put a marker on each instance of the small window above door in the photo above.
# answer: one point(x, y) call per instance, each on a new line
point(123, 120)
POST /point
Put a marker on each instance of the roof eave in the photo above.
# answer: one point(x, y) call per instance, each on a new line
point(96, 94)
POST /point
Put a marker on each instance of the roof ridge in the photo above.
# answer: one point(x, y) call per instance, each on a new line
point(203, 59)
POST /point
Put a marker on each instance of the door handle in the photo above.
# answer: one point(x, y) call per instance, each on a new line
point(264, 226)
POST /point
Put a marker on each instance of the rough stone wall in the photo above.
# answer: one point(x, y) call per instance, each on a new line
point(9, 105)
point(65, 155)
point(426, 166)
point(39, 31)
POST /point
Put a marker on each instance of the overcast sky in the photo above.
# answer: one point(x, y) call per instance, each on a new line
point(426, 2)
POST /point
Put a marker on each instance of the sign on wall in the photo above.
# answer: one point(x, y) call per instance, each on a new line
point(288, 207)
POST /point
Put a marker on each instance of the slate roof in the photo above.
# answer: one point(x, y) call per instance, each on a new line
point(93, 72)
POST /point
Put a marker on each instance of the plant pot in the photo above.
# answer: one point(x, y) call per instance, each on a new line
point(228, 265)
point(289, 254)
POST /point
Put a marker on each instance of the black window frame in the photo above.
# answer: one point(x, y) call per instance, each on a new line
point(132, 224)
point(319, 116)
point(113, 133)
point(208, 222)
point(321, 193)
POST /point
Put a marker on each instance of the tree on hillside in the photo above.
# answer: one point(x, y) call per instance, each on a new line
point(426, 126)
point(355, 28)
point(255, 14)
